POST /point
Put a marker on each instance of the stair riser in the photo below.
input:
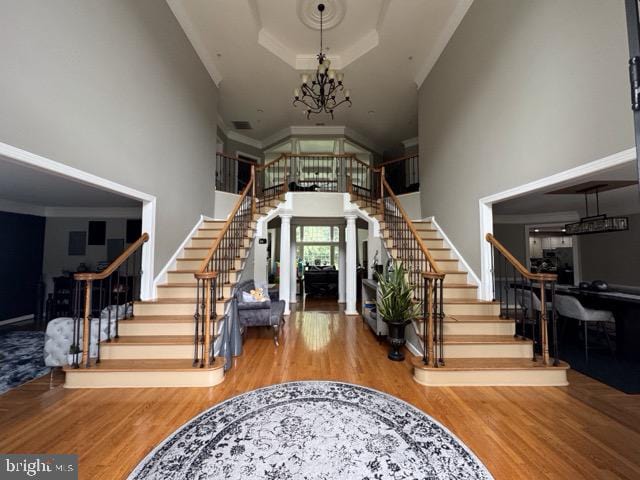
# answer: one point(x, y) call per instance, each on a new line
point(530, 378)
point(144, 379)
point(116, 351)
point(208, 243)
point(208, 232)
point(489, 350)
point(180, 277)
point(189, 264)
point(196, 254)
point(186, 292)
point(488, 309)
point(458, 293)
point(455, 278)
point(448, 265)
point(478, 328)
point(172, 309)
point(160, 328)
point(441, 254)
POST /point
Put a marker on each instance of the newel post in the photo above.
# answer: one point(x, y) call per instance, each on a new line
point(544, 337)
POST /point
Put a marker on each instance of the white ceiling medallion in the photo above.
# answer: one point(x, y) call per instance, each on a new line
point(332, 16)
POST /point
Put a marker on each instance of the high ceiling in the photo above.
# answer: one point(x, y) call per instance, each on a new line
point(256, 50)
point(22, 184)
point(621, 201)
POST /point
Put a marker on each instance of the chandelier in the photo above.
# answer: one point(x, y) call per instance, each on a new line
point(323, 90)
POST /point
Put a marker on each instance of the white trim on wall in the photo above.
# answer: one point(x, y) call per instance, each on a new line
point(162, 275)
point(38, 162)
point(470, 272)
point(486, 203)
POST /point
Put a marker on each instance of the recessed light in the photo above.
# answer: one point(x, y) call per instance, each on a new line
point(536, 230)
point(372, 112)
point(260, 110)
point(564, 229)
point(219, 55)
point(410, 57)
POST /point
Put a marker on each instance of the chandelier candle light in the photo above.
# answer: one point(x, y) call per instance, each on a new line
point(322, 91)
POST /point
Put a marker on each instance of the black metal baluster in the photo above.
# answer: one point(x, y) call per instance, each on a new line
point(533, 319)
point(100, 307)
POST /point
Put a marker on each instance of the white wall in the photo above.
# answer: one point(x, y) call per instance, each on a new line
point(224, 203)
point(523, 90)
point(113, 88)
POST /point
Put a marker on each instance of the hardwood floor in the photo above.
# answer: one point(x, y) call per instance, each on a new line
point(586, 430)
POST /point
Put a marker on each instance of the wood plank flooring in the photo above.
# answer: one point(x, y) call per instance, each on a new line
point(584, 431)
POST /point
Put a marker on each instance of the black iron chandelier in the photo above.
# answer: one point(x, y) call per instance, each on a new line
point(322, 91)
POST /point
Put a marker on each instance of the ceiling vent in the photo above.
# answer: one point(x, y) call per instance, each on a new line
point(242, 125)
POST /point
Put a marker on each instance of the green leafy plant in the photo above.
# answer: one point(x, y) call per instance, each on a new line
point(396, 303)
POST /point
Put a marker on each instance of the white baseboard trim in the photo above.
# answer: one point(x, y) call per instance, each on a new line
point(413, 349)
point(474, 277)
point(162, 276)
point(9, 321)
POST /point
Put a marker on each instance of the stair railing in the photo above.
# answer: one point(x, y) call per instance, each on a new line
point(228, 173)
point(411, 250)
point(528, 298)
point(403, 174)
point(272, 179)
point(364, 182)
point(111, 293)
point(214, 274)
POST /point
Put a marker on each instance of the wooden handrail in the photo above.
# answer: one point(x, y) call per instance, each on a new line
point(232, 157)
point(270, 162)
point(400, 159)
point(417, 237)
point(203, 266)
point(544, 277)
point(113, 266)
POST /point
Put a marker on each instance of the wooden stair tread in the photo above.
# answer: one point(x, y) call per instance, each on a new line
point(146, 365)
point(175, 300)
point(476, 319)
point(151, 340)
point(484, 339)
point(488, 364)
point(159, 319)
point(470, 301)
point(458, 285)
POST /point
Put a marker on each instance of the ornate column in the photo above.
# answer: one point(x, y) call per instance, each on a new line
point(351, 268)
point(342, 265)
point(285, 260)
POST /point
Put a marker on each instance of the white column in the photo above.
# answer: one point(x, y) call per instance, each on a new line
point(350, 271)
point(285, 260)
point(294, 265)
point(342, 265)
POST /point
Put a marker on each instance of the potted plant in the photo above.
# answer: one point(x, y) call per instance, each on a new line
point(397, 307)
point(75, 355)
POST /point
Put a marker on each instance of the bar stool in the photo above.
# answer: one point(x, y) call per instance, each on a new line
point(571, 307)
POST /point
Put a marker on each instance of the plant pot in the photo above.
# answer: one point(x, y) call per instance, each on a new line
point(397, 340)
point(74, 358)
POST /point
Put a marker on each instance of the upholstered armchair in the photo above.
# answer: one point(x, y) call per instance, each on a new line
point(252, 314)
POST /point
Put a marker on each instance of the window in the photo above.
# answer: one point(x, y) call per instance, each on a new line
point(317, 245)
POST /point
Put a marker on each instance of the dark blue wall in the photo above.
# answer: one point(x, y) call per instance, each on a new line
point(21, 250)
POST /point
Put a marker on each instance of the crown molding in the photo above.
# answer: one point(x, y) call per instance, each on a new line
point(361, 47)
point(384, 8)
point(238, 137)
point(255, 13)
point(410, 142)
point(443, 39)
point(195, 38)
point(21, 208)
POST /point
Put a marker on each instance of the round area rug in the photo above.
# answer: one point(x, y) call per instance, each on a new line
point(311, 430)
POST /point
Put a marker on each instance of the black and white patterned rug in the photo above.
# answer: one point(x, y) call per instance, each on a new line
point(311, 430)
point(21, 358)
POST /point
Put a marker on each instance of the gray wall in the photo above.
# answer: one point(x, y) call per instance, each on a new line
point(513, 238)
point(524, 89)
point(56, 241)
point(614, 257)
point(113, 88)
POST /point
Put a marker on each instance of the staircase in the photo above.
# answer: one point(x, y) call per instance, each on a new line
point(479, 346)
point(155, 348)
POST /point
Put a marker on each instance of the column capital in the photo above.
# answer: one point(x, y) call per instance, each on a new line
point(285, 217)
point(350, 216)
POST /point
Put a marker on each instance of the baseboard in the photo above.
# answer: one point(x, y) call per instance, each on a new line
point(162, 276)
point(471, 273)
